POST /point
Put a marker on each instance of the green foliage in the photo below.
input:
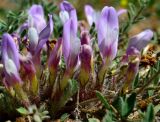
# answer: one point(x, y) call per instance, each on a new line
point(7, 103)
point(23, 111)
point(65, 95)
point(49, 7)
point(13, 20)
point(125, 105)
point(135, 82)
point(156, 109)
point(135, 15)
point(122, 106)
point(103, 100)
point(149, 116)
point(109, 117)
point(38, 114)
point(93, 120)
point(64, 117)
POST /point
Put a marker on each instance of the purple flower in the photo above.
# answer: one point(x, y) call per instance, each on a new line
point(108, 30)
point(67, 11)
point(28, 66)
point(93, 15)
point(45, 34)
point(29, 72)
point(140, 40)
point(85, 38)
point(86, 64)
point(90, 14)
point(43, 37)
point(10, 59)
point(133, 60)
point(70, 45)
point(132, 57)
point(54, 59)
point(86, 58)
point(37, 15)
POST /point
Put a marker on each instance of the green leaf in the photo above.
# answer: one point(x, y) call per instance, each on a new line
point(149, 116)
point(103, 99)
point(132, 9)
point(108, 117)
point(68, 92)
point(125, 105)
point(130, 103)
point(135, 82)
point(64, 117)
point(93, 120)
point(156, 109)
point(23, 111)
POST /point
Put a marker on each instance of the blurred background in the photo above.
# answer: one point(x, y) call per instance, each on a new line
point(152, 13)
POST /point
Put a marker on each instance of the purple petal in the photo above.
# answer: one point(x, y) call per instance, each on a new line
point(85, 38)
point(12, 79)
point(66, 40)
point(133, 64)
point(10, 59)
point(64, 16)
point(23, 27)
point(33, 39)
point(28, 66)
point(70, 44)
point(9, 50)
point(74, 52)
point(108, 32)
point(85, 57)
point(74, 22)
point(121, 11)
point(131, 52)
point(89, 12)
point(45, 34)
point(140, 40)
point(66, 6)
point(37, 13)
point(86, 63)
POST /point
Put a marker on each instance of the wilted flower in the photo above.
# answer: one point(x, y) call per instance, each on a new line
point(10, 61)
point(108, 30)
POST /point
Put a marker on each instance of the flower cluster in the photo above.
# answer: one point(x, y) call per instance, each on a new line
point(73, 56)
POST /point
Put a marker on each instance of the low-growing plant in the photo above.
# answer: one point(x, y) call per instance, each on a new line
point(62, 68)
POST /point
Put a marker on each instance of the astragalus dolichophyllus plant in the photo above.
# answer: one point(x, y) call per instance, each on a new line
point(80, 71)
